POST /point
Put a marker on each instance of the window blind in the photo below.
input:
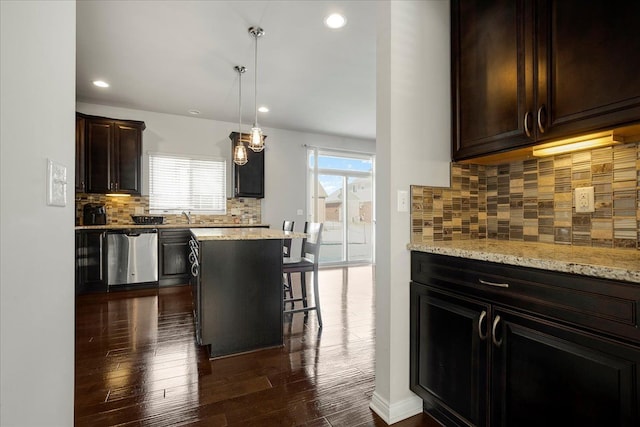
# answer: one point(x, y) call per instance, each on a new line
point(178, 183)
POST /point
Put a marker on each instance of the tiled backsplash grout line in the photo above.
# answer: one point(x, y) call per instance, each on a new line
point(532, 200)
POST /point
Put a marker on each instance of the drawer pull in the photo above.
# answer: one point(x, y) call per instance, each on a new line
point(483, 316)
point(496, 342)
point(498, 285)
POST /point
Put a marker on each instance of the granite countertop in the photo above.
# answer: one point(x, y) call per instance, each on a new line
point(616, 264)
point(164, 226)
point(203, 234)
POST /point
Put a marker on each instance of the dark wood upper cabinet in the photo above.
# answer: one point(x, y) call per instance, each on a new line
point(127, 150)
point(113, 155)
point(80, 156)
point(248, 179)
point(492, 78)
point(588, 65)
point(527, 71)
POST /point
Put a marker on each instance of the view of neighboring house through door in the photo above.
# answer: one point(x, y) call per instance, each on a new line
point(341, 195)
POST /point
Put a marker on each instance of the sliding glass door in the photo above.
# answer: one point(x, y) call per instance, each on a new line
point(341, 196)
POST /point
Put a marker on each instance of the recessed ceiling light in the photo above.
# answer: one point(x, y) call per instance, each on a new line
point(100, 83)
point(335, 21)
point(194, 112)
point(263, 109)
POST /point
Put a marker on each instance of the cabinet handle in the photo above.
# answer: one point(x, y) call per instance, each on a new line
point(194, 270)
point(483, 316)
point(527, 131)
point(498, 285)
point(116, 186)
point(496, 342)
point(102, 237)
point(540, 125)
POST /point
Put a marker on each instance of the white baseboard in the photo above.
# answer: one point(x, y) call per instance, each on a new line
point(398, 411)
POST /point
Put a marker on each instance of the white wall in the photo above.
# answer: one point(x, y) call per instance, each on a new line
point(37, 246)
point(285, 154)
point(413, 146)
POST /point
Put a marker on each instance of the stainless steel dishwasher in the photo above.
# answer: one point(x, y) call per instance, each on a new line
point(132, 257)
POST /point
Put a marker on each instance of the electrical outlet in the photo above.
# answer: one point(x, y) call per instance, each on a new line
point(584, 199)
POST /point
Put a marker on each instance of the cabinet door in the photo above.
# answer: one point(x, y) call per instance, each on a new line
point(80, 155)
point(127, 152)
point(588, 61)
point(248, 178)
point(449, 355)
point(174, 258)
point(492, 75)
point(99, 134)
point(174, 264)
point(90, 261)
point(546, 374)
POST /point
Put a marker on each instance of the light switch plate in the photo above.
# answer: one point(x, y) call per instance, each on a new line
point(56, 184)
point(403, 201)
point(584, 200)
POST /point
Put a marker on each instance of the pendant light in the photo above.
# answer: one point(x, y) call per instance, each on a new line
point(240, 151)
point(256, 142)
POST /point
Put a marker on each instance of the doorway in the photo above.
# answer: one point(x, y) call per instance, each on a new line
point(341, 196)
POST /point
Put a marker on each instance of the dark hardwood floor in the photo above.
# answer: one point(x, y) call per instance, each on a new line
point(137, 363)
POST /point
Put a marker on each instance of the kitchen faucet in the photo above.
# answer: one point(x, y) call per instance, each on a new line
point(188, 215)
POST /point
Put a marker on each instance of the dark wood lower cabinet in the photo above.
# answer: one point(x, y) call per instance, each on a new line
point(449, 356)
point(173, 253)
point(90, 260)
point(543, 351)
point(542, 368)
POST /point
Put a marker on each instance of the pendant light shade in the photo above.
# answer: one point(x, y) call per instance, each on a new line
point(240, 151)
point(256, 142)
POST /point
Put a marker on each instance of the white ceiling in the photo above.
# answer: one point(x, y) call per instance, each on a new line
point(175, 56)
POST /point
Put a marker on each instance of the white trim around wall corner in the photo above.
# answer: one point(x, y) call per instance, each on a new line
point(398, 411)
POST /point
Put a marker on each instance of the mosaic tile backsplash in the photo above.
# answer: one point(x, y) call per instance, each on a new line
point(532, 200)
point(120, 209)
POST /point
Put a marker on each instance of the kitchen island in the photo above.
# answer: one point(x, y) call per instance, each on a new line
point(237, 289)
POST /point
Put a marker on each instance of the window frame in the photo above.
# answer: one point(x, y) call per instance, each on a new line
point(220, 175)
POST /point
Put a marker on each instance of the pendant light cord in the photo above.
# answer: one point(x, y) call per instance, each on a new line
point(239, 150)
point(256, 80)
